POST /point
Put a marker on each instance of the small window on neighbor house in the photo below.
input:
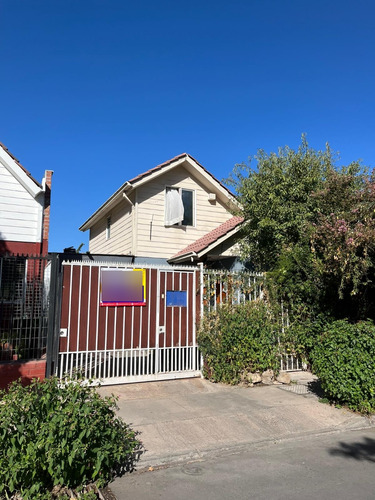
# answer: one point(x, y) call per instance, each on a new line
point(179, 207)
point(108, 229)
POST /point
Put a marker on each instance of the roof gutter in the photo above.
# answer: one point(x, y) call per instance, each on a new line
point(180, 258)
point(129, 188)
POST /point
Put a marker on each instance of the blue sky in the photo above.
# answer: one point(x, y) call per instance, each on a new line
point(101, 90)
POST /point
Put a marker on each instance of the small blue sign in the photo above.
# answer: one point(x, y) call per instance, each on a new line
point(176, 298)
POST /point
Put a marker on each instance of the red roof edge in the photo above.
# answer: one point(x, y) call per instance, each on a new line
point(209, 238)
point(176, 158)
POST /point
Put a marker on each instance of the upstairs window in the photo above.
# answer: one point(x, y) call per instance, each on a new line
point(187, 200)
point(179, 207)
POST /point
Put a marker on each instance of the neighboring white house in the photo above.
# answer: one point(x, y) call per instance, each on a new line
point(24, 208)
point(176, 211)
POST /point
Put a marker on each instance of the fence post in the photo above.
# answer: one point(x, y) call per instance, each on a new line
point(201, 311)
point(54, 312)
point(201, 286)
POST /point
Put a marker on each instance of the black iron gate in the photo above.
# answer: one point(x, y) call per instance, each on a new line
point(24, 307)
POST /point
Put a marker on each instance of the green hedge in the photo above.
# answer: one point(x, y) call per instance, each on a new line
point(60, 434)
point(344, 361)
point(238, 339)
point(302, 336)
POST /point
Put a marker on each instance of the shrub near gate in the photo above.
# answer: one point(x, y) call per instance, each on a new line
point(65, 434)
point(237, 339)
point(344, 360)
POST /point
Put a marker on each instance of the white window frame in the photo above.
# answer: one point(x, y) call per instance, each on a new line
point(180, 189)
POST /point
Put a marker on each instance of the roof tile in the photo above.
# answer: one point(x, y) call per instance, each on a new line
point(209, 238)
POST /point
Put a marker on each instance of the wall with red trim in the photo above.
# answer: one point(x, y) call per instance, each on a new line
point(26, 370)
point(20, 247)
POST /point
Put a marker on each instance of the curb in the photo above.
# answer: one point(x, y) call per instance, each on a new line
point(167, 461)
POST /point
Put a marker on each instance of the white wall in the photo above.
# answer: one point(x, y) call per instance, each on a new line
point(120, 242)
point(20, 214)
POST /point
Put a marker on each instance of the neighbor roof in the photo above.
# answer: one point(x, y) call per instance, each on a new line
point(19, 164)
point(199, 246)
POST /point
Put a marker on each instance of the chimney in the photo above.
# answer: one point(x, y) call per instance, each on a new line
point(47, 182)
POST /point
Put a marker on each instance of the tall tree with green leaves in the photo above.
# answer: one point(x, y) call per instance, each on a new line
point(311, 226)
point(275, 194)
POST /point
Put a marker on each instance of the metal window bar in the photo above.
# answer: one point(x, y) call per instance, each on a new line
point(218, 287)
point(24, 300)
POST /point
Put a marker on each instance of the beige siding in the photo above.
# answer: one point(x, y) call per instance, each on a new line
point(20, 213)
point(156, 240)
point(120, 241)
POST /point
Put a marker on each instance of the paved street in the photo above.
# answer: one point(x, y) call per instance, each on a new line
point(212, 441)
point(186, 419)
point(338, 465)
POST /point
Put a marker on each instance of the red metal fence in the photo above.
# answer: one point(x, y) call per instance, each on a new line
point(129, 342)
point(52, 312)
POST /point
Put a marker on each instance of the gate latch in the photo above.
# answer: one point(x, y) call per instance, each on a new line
point(161, 329)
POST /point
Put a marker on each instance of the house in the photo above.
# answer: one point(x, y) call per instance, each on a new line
point(24, 208)
point(24, 270)
point(176, 212)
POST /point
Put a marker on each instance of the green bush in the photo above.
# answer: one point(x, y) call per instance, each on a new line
point(54, 433)
point(302, 336)
point(344, 361)
point(237, 339)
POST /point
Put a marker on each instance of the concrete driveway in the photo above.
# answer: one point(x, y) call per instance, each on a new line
point(188, 419)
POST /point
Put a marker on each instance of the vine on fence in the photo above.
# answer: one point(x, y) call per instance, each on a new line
point(229, 287)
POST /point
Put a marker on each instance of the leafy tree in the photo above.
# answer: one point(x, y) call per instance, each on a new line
point(276, 199)
point(343, 242)
point(311, 226)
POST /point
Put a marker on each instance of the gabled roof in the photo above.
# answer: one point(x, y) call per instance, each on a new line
point(19, 171)
point(189, 162)
point(209, 240)
point(173, 160)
